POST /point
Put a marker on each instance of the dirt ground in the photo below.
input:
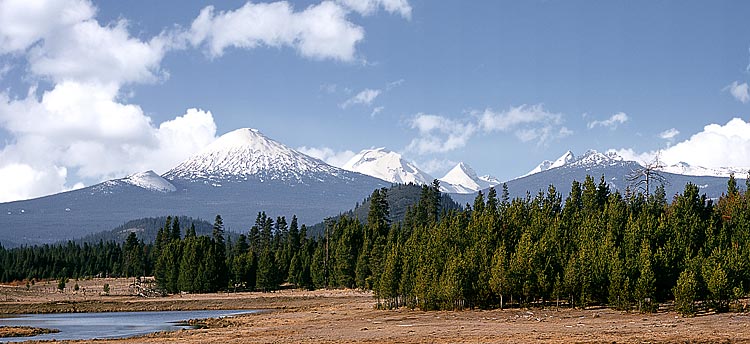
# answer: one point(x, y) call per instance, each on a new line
point(347, 316)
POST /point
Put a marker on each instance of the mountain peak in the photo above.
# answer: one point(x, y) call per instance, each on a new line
point(239, 138)
point(149, 180)
point(563, 160)
point(463, 179)
point(246, 153)
point(386, 165)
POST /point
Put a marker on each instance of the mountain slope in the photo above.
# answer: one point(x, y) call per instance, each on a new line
point(615, 170)
point(240, 174)
point(386, 165)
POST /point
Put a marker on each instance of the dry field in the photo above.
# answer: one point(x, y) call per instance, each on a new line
point(346, 316)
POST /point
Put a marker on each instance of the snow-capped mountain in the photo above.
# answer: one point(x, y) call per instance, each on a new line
point(149, 180)
point(591, 158)
point(614, 169)
point(240, 174)
point(463, 180)
point(386, 165)
point(247, 153)
point(546, 164)
point(689, 170)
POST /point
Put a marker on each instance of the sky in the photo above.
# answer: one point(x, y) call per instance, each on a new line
point(95, 90)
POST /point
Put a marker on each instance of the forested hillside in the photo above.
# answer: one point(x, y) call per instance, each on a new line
point(594, 247)
point(400, 198)
point(145, 229)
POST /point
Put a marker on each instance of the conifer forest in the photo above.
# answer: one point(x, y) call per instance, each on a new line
point(629, 251)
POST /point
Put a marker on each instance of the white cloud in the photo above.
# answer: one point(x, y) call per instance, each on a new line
point(393, 84)
point(612, 122)
point(80, 129)
point(320, 31)
point(517, 116)
point(368, 7)
point(631, 155)
point(529, 123)
point(741, 92)
point(24, 22)
point(62, 41)
point(669, 134)
point(436, 165)
point(328, 155)
point(439, 134)
point(716, 146)
point(376, 111)
point(365, 97)
point(19, 181)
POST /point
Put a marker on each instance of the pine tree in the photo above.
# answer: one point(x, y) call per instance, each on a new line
point(133, 252)
point(645, 289)
point(218, 256)
point(686, 292)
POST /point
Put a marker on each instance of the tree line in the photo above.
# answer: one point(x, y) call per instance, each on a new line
point(596, 246)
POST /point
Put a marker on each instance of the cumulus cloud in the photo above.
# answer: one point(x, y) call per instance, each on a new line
point(612, 122)
point(320, 31)
point(368, 7)
point(716, 146)
point(63, 41)
point(669, 134)
point(365, 97)
point(80, 129)
point(741, 92)
point(25, 22)
point(19, 180)
point(330, 156)
point(438, 134)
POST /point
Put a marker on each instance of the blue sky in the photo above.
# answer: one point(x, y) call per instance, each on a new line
point(104, 89)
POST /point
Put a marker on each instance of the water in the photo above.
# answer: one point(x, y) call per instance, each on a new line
point(108, 325)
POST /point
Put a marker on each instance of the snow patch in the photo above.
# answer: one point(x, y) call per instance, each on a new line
point(149, 180)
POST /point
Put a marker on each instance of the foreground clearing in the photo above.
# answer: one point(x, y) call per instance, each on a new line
point(346, 316)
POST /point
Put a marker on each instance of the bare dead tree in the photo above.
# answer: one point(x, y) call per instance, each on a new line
point(642, 178)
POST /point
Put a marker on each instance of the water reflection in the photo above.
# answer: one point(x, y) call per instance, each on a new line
point(108, 325)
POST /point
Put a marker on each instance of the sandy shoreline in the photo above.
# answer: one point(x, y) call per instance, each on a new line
point(348, 316)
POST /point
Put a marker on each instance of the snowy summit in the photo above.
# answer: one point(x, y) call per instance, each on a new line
point(547, 165)
point(462, 179)
point(246, 152)
point(149, 180)
point(386, 165)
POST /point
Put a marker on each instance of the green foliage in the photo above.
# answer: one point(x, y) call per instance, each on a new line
point(686, 292)
point(61, 283)
point(594, 247)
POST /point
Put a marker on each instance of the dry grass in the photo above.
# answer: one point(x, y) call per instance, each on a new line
point(347, 316)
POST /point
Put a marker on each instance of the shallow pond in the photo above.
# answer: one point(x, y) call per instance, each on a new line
point(108, 325)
